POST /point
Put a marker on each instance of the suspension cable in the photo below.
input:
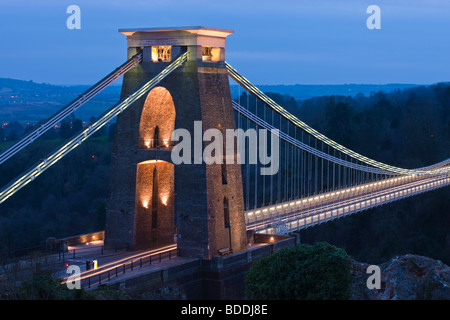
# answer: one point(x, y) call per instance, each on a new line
point(272, 104)
point(72, 107)
point(39, 168)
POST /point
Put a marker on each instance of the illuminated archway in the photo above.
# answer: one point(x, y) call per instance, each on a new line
point(157, 119)
point(154, 204)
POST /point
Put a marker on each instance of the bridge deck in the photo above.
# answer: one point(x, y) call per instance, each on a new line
point(289, 216)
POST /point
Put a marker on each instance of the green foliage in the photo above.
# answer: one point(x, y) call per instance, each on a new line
point(44, 287)
point(163, 293)
point(409, 128)
point(68, 199)
point(103, 292)
point(312, 272)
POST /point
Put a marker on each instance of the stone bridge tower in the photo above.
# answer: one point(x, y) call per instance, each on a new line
point(154, 202)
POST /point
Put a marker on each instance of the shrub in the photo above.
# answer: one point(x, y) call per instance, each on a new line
point(313, 272)
point(44, 287)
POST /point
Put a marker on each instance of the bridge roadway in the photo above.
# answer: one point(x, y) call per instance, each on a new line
point(112, 264)
point(290, 216)
point(118, 266)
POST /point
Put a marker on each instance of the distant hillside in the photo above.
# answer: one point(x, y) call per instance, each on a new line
point(303, 92)
point(28, 101)
point(29, 88)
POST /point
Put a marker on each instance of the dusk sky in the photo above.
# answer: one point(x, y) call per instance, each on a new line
point(275, 42)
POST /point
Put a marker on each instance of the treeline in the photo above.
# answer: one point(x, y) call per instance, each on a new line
point(408, 128)
point(67, 199)
point(12, 130)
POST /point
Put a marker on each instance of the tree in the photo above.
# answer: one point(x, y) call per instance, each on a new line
point(2, 132)
point(111, 130)
point(12, 136)
point(77, 126)
point(45, 287)
point(313, 272)
point(65, 130)
point(339, 118)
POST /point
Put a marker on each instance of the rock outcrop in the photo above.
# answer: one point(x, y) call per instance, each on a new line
point(407, 277)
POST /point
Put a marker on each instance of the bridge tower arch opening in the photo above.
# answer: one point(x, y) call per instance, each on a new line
point(157, 120)
point(154, 205)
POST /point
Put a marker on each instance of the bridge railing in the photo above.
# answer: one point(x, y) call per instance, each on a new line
point(320, 214)
point(278, 210)
point(98, 277)
point(40, 251)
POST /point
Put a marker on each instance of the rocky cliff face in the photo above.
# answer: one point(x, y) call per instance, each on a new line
point(407, 277)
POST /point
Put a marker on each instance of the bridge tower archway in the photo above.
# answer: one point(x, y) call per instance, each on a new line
point(157, 120)
point(154, 204)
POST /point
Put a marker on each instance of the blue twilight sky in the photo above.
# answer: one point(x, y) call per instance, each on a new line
point(275, 42)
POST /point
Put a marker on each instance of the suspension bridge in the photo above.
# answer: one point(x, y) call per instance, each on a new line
point(175, 76)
